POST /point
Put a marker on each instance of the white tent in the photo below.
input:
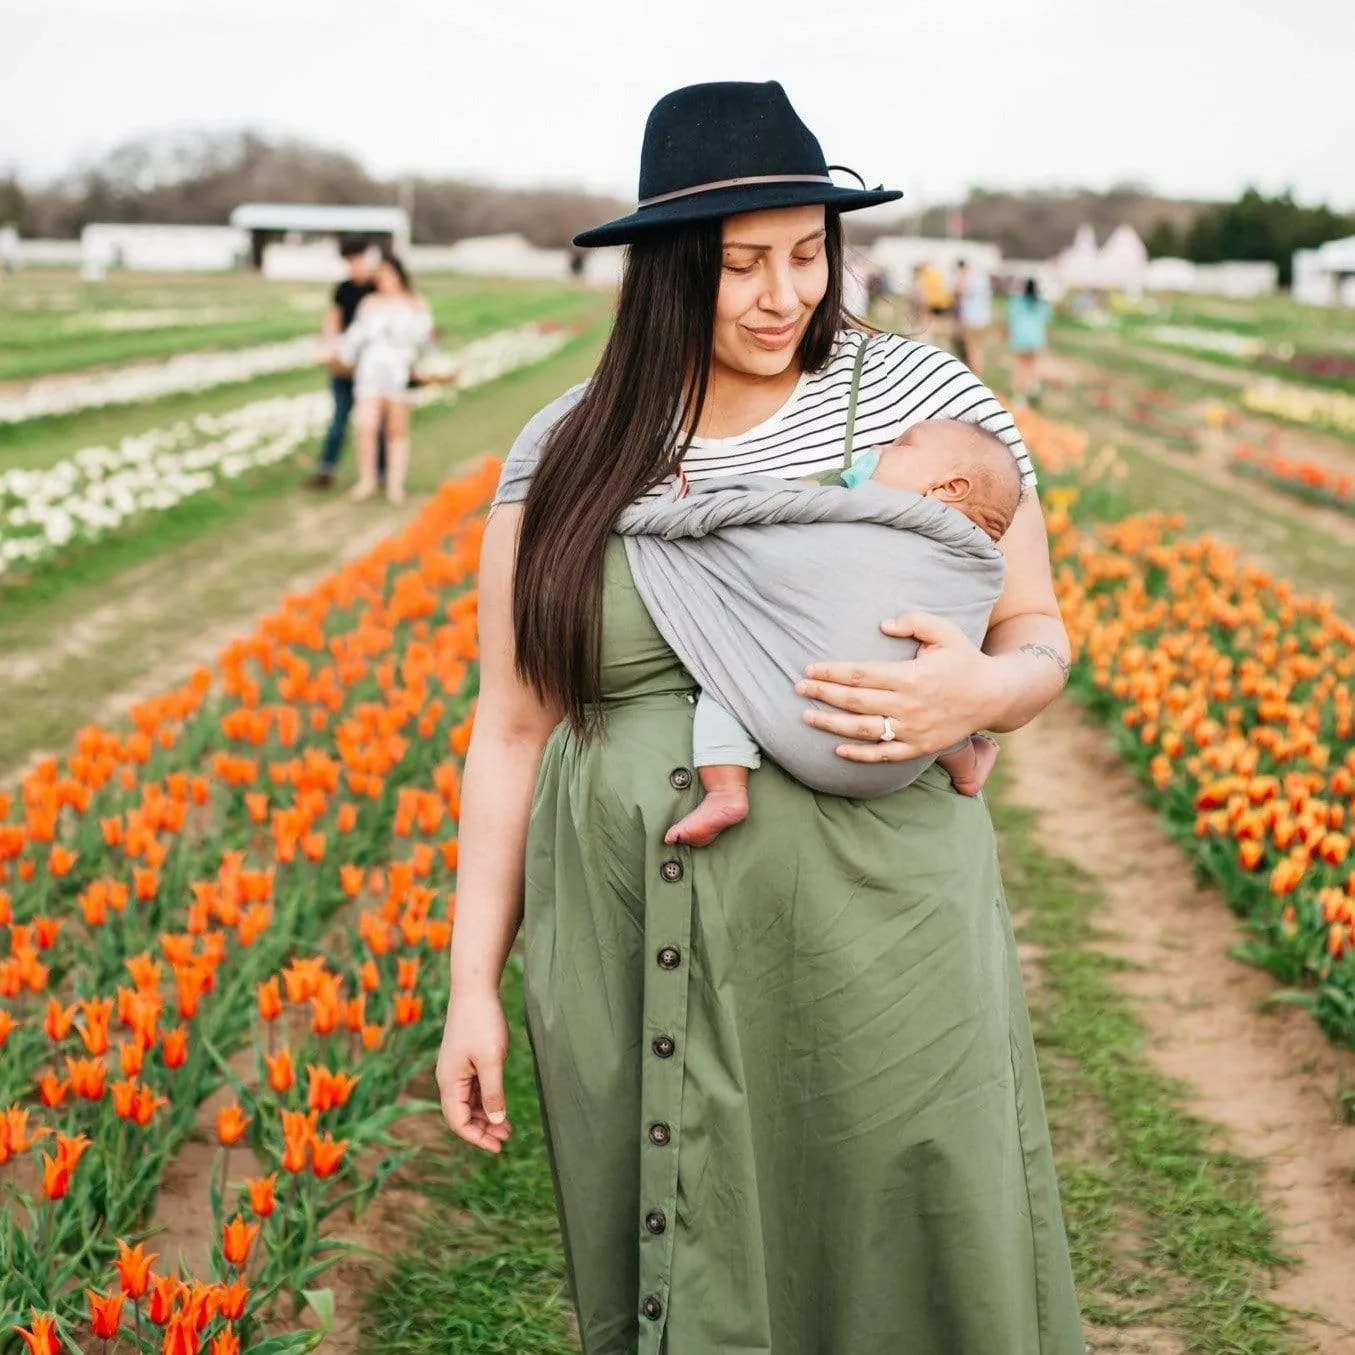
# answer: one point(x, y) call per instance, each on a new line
point(1120, 265)
point(1325, 276)
point(302, 223)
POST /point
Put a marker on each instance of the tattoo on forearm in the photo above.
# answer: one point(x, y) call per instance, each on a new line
point(1048, 652)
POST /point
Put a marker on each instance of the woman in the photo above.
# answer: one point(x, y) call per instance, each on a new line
point(1027, 325)
point(392, 329)
point(787, 1080)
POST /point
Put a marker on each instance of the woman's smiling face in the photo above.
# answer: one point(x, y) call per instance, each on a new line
point(774, 274)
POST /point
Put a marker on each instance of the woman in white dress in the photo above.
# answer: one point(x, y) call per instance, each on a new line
point(393, 328)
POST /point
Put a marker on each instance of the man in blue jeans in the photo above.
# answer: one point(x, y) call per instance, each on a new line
point(357, 255)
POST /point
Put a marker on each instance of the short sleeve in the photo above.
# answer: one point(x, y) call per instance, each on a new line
point(906, 382)
point(516, 477)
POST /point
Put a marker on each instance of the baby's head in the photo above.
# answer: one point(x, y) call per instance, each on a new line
point(961, 464)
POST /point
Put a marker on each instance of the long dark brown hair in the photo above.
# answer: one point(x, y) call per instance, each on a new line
point(628, 432)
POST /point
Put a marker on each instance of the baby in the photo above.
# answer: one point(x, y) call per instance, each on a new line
point(958, 463)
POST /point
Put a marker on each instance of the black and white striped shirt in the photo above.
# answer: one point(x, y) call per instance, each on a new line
point(903, 382)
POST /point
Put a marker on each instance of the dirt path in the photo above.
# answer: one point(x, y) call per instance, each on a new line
point(1269, 1078)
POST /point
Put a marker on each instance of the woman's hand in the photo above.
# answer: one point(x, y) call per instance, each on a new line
point(470, 1070)
point(942, 696)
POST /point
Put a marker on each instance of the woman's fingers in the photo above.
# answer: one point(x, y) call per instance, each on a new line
point(855, 699)
point(847, 726)
point(468, 1118)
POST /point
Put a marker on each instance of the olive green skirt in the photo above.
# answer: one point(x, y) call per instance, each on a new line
point(788, 1080)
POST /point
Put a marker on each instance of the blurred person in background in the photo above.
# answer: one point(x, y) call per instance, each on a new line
point(974, 313)
point(392, 330)
point(934, 302)
point(9, 249)
point(1027, 335)
point(348, 296)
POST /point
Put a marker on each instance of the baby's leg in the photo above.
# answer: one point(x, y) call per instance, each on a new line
point(968, 765)
point(723, 754)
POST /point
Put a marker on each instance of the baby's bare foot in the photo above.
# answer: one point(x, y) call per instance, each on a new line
point(981, 756)
point(720, 809)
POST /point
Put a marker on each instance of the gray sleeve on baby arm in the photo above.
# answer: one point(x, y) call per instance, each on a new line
point(718, 739)
point(520, 465)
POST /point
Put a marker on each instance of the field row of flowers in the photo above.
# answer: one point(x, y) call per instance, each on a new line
point(194, 371)
point(1315, 408)
point(1199, 340)
point(231, 919)
point(101, 490)
point(1233, 698)
point(1304, 480)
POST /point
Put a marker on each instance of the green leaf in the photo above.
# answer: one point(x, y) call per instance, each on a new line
point(322, 1304)
point(288, 1343)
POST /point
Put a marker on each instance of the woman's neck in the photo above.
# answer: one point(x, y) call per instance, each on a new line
point(736, 401)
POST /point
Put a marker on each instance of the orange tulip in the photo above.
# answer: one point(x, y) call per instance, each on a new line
point(328, 1090)
point(60, 861)
point(231, 1123)
point(7, 1026)
point(237, 1238)
point(174, 1047)
point(408, 1009)
point(51, 1091)
point(134, 1269)
point(297, 1132)
point(164, 1292)
point(326, 1154)
point(181, 1335)
point(87, 1077)
point(270, 1000)
point(58, 1020)
point(42, 1338)
point(105, 1314)
point(45, 931)
point(225, 1342)
point(281, 1074)
point(262, 1199)
point(231, 1298)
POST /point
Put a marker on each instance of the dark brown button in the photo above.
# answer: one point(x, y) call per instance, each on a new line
point(671, 871)
point(664, 1046)
point(655, 1221)
point(670, 957)
point(680, 778)
point(652, 1308)
point(659, 1134)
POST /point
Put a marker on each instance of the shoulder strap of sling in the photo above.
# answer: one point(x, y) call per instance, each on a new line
point(850, 431)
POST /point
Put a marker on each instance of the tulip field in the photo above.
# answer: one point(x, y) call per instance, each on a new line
point(224, 917)
point(1233, 695)
point(261, 864)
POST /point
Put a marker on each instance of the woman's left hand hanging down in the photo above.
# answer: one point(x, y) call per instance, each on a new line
point(933, 701)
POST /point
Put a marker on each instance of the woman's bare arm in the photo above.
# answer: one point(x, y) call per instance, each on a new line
point(1026, 633)
point(511, 729)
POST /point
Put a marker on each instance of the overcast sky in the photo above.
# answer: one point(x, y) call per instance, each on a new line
point(1195, 97)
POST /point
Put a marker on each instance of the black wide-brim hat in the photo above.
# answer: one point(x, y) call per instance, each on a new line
point(717, 150)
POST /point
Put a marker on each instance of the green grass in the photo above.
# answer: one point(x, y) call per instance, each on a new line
point(1167, 1228)
point(483, 1270)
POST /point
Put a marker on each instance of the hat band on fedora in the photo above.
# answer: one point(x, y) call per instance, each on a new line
point(736, 183)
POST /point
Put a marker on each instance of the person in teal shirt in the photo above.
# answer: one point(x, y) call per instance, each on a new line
point(1027, 325)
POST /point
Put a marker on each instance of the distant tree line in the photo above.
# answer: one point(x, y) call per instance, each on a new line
point(1253, 227)
point(197, 178)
